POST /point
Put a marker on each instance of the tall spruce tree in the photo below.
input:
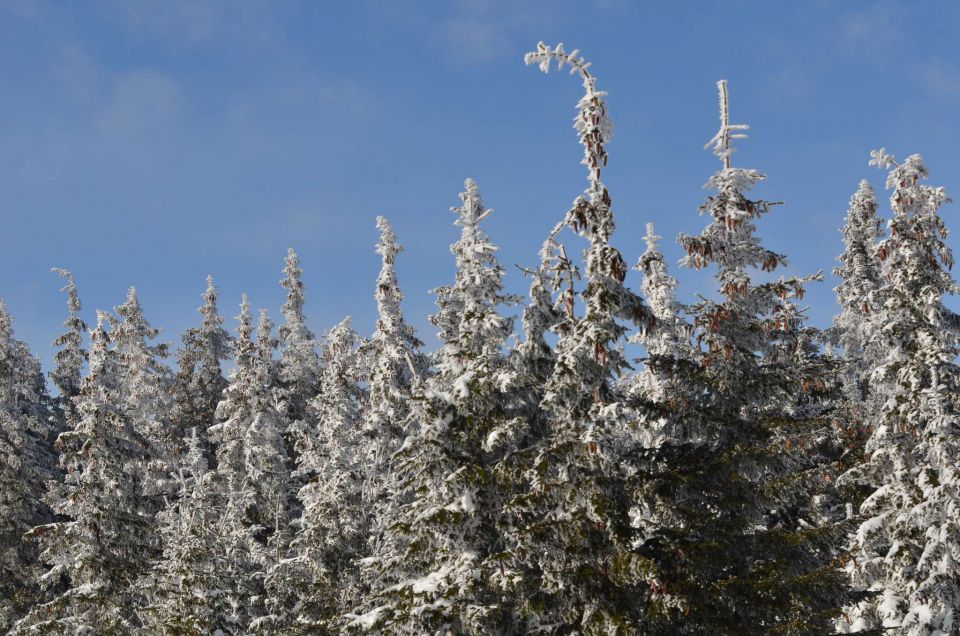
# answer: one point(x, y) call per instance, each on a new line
point(27, 461)
point(299, 364)
point(569, 538)
point(319, 581)
point(104, 538)
point(70, 357)
point(725, 493)
point(143, 384)
point(146, 402)
point(391, 363)
point(667, 346)
point(199, 384)
point(253, 463)
point(391, 358)
point(436, 564)
point(670, 339)
point(531, 363)
point(861, 277)
point(905, 552)
point(533, 359)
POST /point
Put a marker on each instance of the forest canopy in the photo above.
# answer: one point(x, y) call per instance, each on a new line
point(750, 474)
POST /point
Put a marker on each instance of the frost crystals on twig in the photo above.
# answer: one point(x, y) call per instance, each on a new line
point(721, 141)
point(592, 124)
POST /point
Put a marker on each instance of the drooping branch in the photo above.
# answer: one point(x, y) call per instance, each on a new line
point(592, 123)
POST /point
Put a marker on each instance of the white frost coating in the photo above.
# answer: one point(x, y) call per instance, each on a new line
point(572, 499)
point(467, 502)
point(461, 386)
point(368, 620)
point(437, 516)
point(908, 358)
point(502, 486)
point(721, 142)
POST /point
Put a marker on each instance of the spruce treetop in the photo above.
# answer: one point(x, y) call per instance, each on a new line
point(71, 356)
point(244, 346)
point(294, 328)
point(215, 342)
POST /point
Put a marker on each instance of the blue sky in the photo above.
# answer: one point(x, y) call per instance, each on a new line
point(151, 143)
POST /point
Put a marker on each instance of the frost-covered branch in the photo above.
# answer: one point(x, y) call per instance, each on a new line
point(592, 124)
point(721, 142)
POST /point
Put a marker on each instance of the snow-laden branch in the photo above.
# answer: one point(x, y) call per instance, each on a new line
point(592, 124)
point(721, 142)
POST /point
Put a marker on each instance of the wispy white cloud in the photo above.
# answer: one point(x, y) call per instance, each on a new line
point(473, 38)
point(789, 86)
point(118, 121)
point(873, 29)
point(139, 104)
point(940, 80)
point(188, 23)
point(480, 31)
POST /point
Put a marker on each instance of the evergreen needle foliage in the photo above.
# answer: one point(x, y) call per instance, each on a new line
point(749, 474)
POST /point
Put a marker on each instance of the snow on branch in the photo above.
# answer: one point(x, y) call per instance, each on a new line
point(544, 55)
point(592, 124)
point(652, 239)
point(882, 159)
point(721, 142)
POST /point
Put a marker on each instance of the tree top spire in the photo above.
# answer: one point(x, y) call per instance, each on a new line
point(652, 239)
point(721, 142)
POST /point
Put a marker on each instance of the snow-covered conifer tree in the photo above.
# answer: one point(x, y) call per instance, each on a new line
point(253, 463)
point(250, 452)
point(281, 492)
point(436, 565)
point(670, 339)
point(391, 363)
point(539, 316)
point(724, 495)
point(70, 357)
point(391, 356)
point(104, 539)
point(199, 384)
point(906, 550)
point(531, 363)
point(242, 383)
point(299, 364)
point(312, 588)
point(533, 359)
point(144, 397)
point(188, 588)
point(861, 276)
point(26, 463)
point(570, 539)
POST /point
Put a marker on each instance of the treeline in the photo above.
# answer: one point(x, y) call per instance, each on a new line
point(753, 475)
